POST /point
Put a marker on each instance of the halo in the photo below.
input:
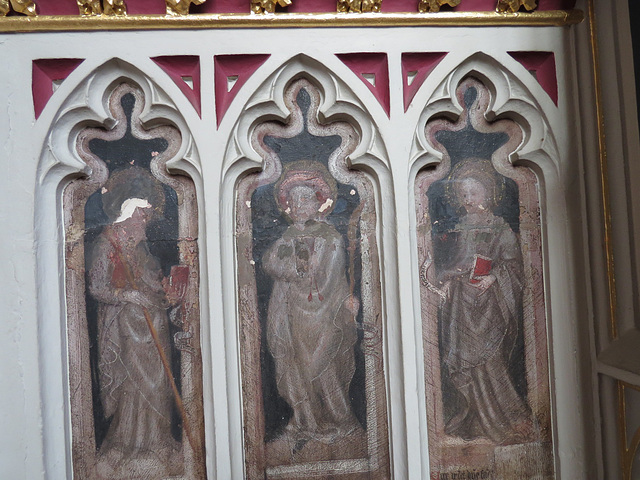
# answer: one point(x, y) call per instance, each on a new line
point(131, 182)
point(308, 173)
point(480, 170)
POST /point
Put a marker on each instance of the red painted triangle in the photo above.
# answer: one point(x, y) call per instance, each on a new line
point(416, 67)
point(181, 68)
point(542, 65)
point(231, 73)
point(373, 70)
point(44, 73)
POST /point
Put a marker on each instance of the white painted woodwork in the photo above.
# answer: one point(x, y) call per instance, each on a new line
point(560, 145)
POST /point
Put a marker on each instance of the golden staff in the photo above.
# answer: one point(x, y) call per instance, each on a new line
point(156, 340)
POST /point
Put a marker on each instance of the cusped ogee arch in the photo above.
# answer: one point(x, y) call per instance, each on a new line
point(339, 103)
point(510, 98)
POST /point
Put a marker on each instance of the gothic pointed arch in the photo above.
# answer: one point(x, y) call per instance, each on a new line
point(484, 152)
point(119, 163)
point(307, 165)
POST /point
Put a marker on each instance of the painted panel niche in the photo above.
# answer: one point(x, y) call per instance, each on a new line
point(482, 300)
point(310, 302)
point(132, 287)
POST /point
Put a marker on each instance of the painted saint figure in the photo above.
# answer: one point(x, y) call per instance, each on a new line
point(481, 286)
point(311, 331)
point(133, 297)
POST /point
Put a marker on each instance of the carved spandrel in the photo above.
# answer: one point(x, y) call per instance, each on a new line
point(483, 314)
point(132, 292)
point(307, 256)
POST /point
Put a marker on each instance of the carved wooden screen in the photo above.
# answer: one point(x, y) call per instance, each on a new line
point(346, 253)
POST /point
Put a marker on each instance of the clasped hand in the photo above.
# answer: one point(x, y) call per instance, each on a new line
point(484, 282)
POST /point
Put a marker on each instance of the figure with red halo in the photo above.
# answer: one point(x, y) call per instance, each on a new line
point(311, 328)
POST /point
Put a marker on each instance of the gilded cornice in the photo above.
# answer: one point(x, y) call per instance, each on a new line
point(46, 23)
point(25, 15)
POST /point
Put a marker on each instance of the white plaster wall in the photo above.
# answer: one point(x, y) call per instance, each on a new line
point(21, 438)
point(34, 438)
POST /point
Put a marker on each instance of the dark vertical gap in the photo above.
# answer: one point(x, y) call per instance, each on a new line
point(634, 18)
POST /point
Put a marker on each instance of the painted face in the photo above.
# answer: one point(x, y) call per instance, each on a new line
point(303, 204)
point(472, 195)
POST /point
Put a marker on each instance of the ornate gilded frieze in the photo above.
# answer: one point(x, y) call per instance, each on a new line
point(26, 7)
point(434, 5)
point(107, 7)
point(512, 6)
point(178, 14)
point(359, 6)
point(181, 7)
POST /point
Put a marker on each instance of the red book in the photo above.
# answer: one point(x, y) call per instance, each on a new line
point(179, 279)
point(481, 268)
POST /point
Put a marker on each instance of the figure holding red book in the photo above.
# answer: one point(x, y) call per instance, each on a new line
point(480, 284)
point(134, 298)
point(481, 268)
